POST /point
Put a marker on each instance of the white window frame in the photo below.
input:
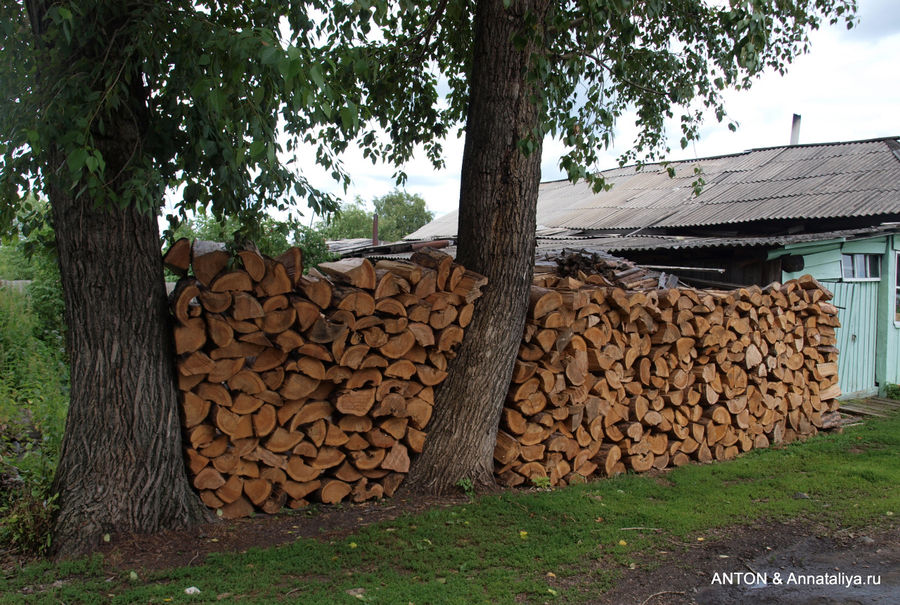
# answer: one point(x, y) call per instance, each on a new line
point(854, 256)
point(897, 289)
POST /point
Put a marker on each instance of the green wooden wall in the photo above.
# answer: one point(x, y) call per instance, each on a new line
point(869, 337)
point(857, 336)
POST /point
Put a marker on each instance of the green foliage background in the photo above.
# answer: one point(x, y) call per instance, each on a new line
point(399, 214)
point(270, 235)
point(34, 396)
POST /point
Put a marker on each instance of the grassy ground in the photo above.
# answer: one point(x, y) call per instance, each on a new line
point(566, 545)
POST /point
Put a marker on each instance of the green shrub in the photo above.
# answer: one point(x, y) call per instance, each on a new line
point(46, 297)
point(14, 264)
point(892, 391)
point(33, 404)
point(26, 513)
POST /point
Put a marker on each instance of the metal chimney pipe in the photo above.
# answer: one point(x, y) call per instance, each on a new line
point(795, 130)
point(375, 229)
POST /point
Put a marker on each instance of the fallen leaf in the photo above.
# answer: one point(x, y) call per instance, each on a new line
point(353, 545)
point(623, 543)
point(550, 574)
point(523, 534)
point(551, 591)
point(700, 539)
point(132, 576)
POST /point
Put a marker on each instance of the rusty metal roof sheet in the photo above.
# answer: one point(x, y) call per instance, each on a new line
point(830, 180)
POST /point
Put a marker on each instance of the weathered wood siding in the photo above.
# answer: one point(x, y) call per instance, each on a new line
point(857, 336)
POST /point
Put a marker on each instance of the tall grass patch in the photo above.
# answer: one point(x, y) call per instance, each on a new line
point(33, 404)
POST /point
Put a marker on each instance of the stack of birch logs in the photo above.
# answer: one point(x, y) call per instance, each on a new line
point(609, 380)
point(297, 387)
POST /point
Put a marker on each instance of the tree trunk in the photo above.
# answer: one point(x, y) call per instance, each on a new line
point(498, 200)
point(121, 468)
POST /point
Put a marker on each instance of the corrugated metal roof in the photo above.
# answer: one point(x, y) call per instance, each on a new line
point(830, 180)
point(615, 243)
point(550, 242)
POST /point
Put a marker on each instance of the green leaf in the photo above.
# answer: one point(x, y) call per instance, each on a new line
point(76, 160)
point(316, 74)
point(257, 148)
point(349, 116)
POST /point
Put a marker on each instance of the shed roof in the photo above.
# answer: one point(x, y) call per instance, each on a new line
point(816, 181)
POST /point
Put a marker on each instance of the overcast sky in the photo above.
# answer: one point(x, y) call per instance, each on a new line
point(847, 88)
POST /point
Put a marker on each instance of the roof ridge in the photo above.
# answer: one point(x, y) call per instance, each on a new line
point(888, 140)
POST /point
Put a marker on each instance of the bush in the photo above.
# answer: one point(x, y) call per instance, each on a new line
point(46, 298)
point(26, 515)
point(892, 391)
point(14, 264)
point(33, 404)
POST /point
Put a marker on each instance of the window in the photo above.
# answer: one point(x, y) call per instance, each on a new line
point(861, 266)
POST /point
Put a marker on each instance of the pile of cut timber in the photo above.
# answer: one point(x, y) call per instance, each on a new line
point(601, 270)
point(318, 386)
point(608, 380)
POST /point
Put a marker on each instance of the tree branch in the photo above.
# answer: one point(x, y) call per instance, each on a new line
point(423, 37)
point(601, 63)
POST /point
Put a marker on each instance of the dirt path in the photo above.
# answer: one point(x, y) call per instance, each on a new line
point(189, 547)
point(769, 563)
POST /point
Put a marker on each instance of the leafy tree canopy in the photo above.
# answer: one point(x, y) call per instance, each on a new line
point(232, 89)
point(351, 220)
point(223, 96)
point(399, 214)
point(595, 60)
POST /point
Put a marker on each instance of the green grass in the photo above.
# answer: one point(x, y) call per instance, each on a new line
point(499, 549)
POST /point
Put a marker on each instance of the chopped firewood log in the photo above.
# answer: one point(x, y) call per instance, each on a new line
point(357, 272)
point(253, 264)
point(208, 259)
point(178, 257)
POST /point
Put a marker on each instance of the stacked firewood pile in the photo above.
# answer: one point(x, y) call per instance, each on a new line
point(310, 387)
point(602, 270)
point(608, 380)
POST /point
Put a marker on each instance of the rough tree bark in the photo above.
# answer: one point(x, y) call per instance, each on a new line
point(498, 201)
point(121, 467)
